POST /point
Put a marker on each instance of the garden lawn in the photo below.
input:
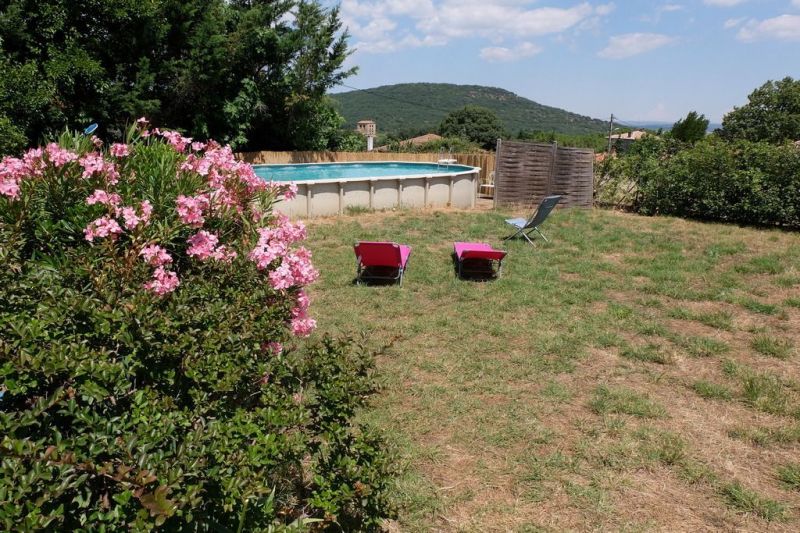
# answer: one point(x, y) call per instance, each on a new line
point(635, 373)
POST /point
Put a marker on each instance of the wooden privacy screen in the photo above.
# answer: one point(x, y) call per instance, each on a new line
point(527, 172)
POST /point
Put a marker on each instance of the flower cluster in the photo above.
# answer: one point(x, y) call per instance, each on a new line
point(163, 282)
point(302, 325)
point(119, 150)
point(228, 190)
point(94, 164)
point(204, 246)
point(191, 209)
point(13, 170)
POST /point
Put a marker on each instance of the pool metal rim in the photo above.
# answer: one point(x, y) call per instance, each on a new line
point(468, 170)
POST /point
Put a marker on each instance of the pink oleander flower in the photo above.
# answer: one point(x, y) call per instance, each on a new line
point(281, 278)
point(163, 282)
point(102, 227)
point(274, 348)
point(33, 162)
point(100, 196)
point(146, 210)
point(178, 141)
point(198, 146)
point(142, 121)
point(59, 156)
point(11, 172)
point(145, 134)
point(224, 254)
point(119, 150)
point(303, 301)
point(299, 264)
point(202, 245)
point(155, 255)
point(9, 187)
point(302, 326)
point(96, 141)
point(191, 209)
point(93, 163)
point(291, 191)
point(129, 216)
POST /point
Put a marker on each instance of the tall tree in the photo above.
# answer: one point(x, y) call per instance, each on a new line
point(690, 129)
point(474, 123)
point(250, 72)
point(772, 114)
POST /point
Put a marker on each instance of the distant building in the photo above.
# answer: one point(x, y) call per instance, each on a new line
point(366, 128)
point(621, 141)
point(414, 141)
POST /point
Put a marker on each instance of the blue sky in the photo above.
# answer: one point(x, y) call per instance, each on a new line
point(640, 59)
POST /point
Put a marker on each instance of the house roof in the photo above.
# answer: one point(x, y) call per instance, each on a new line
point(422, 139)
point(630, 136)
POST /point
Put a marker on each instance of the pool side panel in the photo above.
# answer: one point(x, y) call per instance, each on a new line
point(328, 198)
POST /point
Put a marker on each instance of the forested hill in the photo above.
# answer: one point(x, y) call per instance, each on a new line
point(409, 108)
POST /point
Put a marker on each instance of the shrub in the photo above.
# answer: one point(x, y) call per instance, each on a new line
point(149, 302)
point(741, 182)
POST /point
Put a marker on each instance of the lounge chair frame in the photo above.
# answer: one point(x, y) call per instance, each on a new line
point(537, 219)
point(476, 255)
point(362, 271)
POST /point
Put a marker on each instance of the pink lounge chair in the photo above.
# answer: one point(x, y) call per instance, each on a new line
point(381, 260)
point(481, 254)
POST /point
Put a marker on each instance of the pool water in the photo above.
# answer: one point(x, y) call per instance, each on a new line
point(327, 171)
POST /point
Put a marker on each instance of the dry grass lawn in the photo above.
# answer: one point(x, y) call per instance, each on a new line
point(635, 374)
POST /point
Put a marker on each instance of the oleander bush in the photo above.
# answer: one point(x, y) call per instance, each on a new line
point(151, 372)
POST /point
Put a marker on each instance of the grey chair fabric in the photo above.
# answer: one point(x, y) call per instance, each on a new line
point(526, 226)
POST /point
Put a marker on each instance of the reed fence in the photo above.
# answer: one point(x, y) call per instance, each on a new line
point(526, 172)
point(486, 162)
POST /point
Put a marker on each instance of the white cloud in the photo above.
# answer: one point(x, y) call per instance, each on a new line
point(723, 3)
point(495, 54)
point(781, 28)
point(384, 26)
point(732, 23)
point(631, 44)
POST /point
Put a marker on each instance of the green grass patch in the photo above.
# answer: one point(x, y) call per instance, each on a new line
point(716, 319)
point(764, 264)
point(767, 436)
point(494, 371)
point(650, 353)
point(704, 346)
point(792, 302)
point(748, 501)
point(625, 401)
point(790, 475)
point(772, 346)
point(758, 307)
point(712, 391)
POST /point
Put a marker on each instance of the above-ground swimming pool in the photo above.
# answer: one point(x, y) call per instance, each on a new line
point(333, 188)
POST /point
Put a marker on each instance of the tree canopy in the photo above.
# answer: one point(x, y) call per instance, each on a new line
point(690, 129)
point(772, 114)
point(474, 123)
point(252, 73)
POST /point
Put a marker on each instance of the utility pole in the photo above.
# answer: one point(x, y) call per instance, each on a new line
point(610, 131)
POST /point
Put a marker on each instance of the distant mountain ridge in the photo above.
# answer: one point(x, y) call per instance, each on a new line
point(409, 108)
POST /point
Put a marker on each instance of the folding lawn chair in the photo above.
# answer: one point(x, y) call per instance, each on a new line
point(525, 227)
point(381, 261)
point(478, 258)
